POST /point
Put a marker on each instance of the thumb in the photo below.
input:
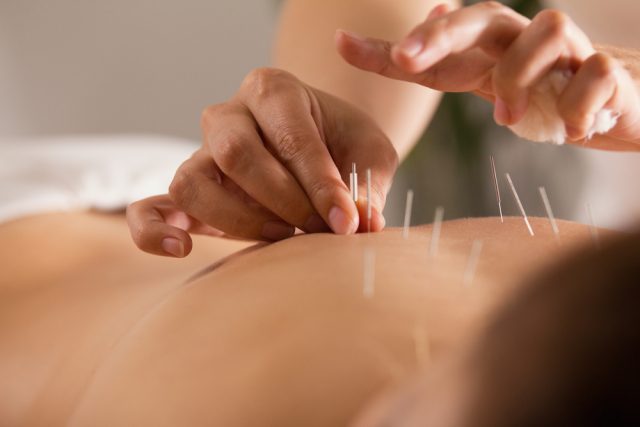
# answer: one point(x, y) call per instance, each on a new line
point(376, 163)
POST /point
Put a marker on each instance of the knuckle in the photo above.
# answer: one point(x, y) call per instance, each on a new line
point(215, 112)
point(390, 156)
point(600, 65)
point(136, 228)
point(554, 22)
point(230, 153)
point(493, 6)
point(393, 158)
point(182, 189)
point(289, 144)
point(138, 236)
point(263, 82)
point(207, 115)
point(322, 188)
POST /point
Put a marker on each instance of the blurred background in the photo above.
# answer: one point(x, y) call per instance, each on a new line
point(129, 67)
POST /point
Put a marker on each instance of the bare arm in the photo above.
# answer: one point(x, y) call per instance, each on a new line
point(305, 47)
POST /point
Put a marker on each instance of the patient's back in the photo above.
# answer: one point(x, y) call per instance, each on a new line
point(284, 334)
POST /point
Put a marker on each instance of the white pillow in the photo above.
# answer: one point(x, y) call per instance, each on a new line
point(85, 172)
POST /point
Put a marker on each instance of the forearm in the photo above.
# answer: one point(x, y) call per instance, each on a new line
point(305, 47)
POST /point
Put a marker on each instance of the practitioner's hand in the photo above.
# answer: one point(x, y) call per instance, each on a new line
point(498, 54)
point(274, 157)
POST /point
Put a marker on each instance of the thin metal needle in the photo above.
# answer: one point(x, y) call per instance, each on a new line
point(524, 214)
point(435, 234)
point(369, 200)
point(547, 207)
point(472, 263)
point(353, 182)
point(368, 273)
point(407, 214)
point(595, 236)
point(497, 188)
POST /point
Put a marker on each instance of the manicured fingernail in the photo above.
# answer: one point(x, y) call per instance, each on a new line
point(501, 112)
point(315, 224)
point(277, 230)
point(173, 246)
point(340, 222)
point(411, 46)
point(352, 35)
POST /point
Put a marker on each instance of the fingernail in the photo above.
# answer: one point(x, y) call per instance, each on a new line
point(173, 246)
point(411, 46)
point(573, 133)
point(351, 35)
point(277, 230)
point(315, 224)
point(501, 112)
point(340, 222)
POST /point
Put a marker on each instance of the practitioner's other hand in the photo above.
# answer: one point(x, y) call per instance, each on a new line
point(491, 50)
point(274, 158)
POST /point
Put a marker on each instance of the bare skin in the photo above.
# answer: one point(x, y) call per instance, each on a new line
point(282, 147)
point(281, 333)
point(491, 50)
point(277, 155)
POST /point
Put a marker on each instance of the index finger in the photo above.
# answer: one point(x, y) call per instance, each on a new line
point(489, 26)
point(289, 117)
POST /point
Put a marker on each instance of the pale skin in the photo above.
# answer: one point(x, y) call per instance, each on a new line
point(276, 157)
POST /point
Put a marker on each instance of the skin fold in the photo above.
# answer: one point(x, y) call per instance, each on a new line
point(280, 334)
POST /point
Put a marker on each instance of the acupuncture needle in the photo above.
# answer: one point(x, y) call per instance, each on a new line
point(515, 195)
point(472, 263)
point(595, 236)
point(547, 207)
point(407, 214)
point(496, 186)
point(368, 273)
point(353, 182)
point(368, 200)
point(435, 233)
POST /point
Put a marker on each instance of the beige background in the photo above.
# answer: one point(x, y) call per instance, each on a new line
point(96, 66)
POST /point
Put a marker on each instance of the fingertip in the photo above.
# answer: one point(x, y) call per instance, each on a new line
point(377, 222)
point(175, 243)
point(345, 35)
point(277, 230)
point(439, 10)
point(575, 133)
point(501, 113)
point(343, 221)
point(352, 47)
point(173, 247)
point(380, 222)
point(315, 224)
